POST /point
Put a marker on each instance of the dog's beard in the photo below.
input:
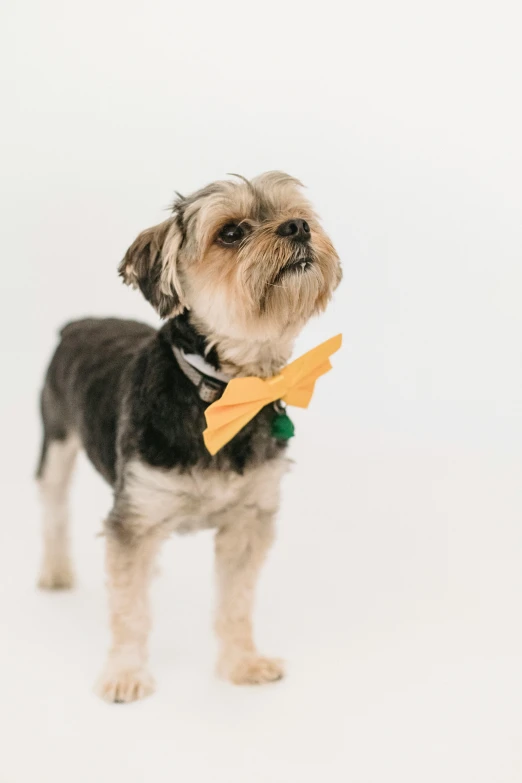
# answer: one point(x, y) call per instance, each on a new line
point(285, 282)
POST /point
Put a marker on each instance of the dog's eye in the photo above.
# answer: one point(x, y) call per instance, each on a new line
point(231, 233)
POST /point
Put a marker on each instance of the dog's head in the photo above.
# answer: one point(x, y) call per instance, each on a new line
point(249, 258)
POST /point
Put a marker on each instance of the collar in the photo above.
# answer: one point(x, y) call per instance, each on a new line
point(209, 382)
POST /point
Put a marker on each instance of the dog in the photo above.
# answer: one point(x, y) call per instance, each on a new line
point(236, 271)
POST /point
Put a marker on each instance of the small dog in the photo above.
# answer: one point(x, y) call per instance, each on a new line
point(236, 271)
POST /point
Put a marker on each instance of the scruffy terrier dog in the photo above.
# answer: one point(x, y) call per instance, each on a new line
point(237, 270)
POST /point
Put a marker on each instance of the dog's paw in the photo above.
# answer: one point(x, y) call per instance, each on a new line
point(56, 577)
point(121, 685)
point(251, 670)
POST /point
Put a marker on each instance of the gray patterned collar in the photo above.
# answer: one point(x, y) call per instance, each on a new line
point(209, 382)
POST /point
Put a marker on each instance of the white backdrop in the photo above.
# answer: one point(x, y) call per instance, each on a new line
point(396, 584)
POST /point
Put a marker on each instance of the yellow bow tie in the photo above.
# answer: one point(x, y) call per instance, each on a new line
point(243, 398)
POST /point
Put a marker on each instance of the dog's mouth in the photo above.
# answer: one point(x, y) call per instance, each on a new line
point(295, 266)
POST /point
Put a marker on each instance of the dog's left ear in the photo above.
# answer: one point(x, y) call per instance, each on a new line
point(151, 264)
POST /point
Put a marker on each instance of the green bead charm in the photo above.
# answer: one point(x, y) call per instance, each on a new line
point(282, 427)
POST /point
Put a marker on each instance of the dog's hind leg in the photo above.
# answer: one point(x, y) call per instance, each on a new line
point(54, 475)
point(59, 450)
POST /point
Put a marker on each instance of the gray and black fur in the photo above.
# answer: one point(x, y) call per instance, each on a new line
point(117, 384)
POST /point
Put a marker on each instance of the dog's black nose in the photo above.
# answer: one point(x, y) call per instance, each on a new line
point(295, 229)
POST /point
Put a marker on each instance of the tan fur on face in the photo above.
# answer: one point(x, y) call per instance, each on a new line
point(240, 291)
point(239, 296)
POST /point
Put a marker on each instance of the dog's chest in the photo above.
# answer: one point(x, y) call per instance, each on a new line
point(197, 499)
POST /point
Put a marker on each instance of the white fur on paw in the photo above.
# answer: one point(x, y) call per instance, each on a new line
point(53, 578)
point(253, 670)
point(124, 685)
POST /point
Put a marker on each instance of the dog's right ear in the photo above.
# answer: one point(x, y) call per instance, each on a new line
point(151, 264)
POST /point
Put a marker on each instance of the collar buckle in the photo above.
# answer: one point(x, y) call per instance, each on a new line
point(209, 389)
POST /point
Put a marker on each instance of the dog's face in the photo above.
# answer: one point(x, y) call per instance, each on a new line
point(250, 259)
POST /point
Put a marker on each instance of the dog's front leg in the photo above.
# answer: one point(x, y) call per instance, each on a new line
point(129, 560)
point(241, 546)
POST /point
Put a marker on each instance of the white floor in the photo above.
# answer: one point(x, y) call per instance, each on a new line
point(393, 591)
